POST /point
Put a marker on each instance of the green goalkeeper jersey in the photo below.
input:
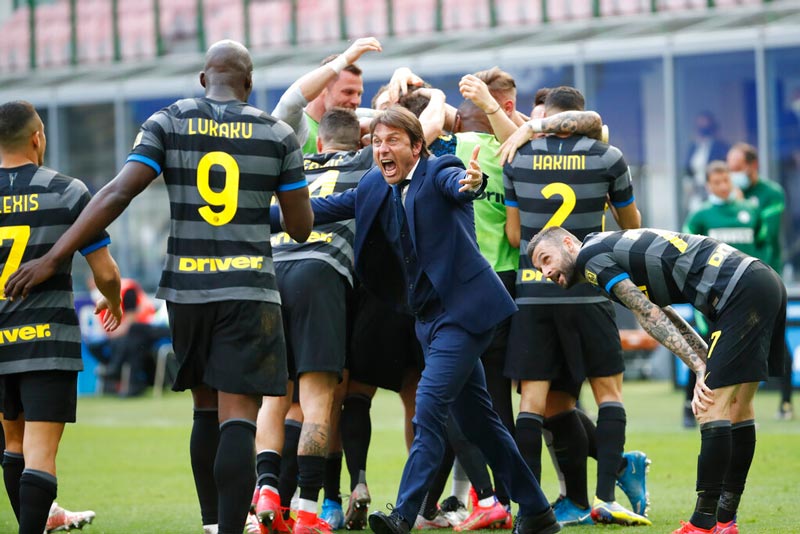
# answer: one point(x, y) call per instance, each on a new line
point(735, 222)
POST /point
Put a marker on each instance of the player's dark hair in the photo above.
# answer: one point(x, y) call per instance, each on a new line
point(400, 117)
point(564, 98)
point(340, 127)
point(541, 96)
point(749, 151)
point(551, 234)
point(415, 102)
point(14, 119)
point(352, 69)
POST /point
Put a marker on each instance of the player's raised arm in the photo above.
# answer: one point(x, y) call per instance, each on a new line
point(587, 123)
point(101, 211)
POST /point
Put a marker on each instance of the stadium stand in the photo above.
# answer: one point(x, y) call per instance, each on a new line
point(366, 18)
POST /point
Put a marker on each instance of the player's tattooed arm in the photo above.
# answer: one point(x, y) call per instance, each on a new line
point(657, 324)
point(689, 334)
point(587, 123)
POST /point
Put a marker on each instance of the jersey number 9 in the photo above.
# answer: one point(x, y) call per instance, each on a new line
point(228, 197)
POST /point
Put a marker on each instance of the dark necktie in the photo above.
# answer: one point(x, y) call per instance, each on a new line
point(397, 198)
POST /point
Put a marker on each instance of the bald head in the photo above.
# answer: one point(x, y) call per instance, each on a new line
point(471, 118)
point(228, 68)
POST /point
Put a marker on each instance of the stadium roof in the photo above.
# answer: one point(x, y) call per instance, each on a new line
point(772, 25)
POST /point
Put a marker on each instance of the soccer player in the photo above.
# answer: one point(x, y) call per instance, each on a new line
point(769, 199)
point(726, 217)
point(409, 244)
point(41, 351)
point(558, 336)
point(336, 83)
point(744, 300)
point(314, 279)
point(222, 160)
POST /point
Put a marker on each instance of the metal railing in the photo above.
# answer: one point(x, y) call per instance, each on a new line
point(490, 14)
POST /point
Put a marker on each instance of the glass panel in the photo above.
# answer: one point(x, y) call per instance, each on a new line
point(87, 143)
point(783, 83)
point(715, 106)
point(629, 95)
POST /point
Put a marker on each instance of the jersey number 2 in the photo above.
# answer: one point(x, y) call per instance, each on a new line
point(228, 197)
point(568, 199)
point(19, 236)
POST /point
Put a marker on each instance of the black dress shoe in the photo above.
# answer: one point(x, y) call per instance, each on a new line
point(381, 523)
point(544, 523)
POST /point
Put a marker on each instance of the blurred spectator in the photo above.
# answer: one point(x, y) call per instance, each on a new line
point(705, 147)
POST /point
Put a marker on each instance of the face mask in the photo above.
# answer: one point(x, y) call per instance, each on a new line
point(715, 200)
point(796, 106)
point(740, 179)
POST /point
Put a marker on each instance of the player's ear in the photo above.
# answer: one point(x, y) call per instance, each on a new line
point(203, 79)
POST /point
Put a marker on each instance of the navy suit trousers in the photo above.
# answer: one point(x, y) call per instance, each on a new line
point(454, 381)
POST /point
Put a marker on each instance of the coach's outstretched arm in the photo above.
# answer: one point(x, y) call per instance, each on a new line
point(101, 211)
point(658, 324)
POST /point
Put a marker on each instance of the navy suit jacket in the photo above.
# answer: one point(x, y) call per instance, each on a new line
point(442, 228)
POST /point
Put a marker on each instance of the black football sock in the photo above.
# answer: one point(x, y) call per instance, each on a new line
point(333, 476)
point(743, 447)
point(356, 429)
point(786, 379)
point(610, 444)
point(235, 473)
point(37, 491)
point(571, 446)
point(287, 483)
point(203, 453)
point(311, 476)
point(13, 465)
point(529, 441)
point(591, 433)
point(712, 465)
point(268, 468)
point(471, 459)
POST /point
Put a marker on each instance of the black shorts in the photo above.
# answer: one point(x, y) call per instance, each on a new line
point(47, 396)
point(746, 340)
point(235, 346)
point(314, 297)
point(383, 343)
point(564, 343)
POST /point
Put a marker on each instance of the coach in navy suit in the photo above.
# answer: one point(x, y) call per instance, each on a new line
point(415, 247)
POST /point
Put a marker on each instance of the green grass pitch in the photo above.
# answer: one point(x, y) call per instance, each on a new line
point(128, 461)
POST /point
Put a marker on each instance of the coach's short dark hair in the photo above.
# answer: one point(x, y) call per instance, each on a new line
point(400, 117)
point(14, 119)
point(565, 98)
point(352, 69)
point(339, 126)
